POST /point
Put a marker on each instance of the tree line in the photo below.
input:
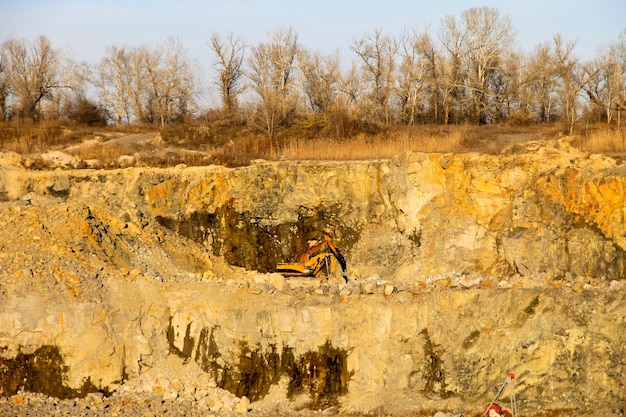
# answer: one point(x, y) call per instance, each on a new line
point(468, 72)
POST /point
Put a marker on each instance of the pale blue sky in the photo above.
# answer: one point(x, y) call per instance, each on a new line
point(87, 27)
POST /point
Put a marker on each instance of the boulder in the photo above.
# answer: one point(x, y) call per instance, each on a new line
point(58, 159)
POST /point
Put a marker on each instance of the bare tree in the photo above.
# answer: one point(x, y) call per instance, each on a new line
point(607, 87)
point(148, 85)
point(412, 80)
point(33, 69)
point(77, 105)
point(351, 85)
point(230, 55)
point(5, 84)
point(140, 58)
point(113, 82)
point(539, 89)
point(169, 81)
point(378, 53)
point(478, 42)
point(73, 77)
point(272, 71)
point(351, 99)
point(618, 50)
point(567, 67)
point(320, 79)
point(507, 86)
point(452, 72)
point(435, 76)
point(573, 78)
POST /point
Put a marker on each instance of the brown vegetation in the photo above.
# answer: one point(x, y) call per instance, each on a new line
point(602, 140)
point(233, 144)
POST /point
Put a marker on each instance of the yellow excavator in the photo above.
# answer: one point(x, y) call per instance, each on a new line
point(322, 257)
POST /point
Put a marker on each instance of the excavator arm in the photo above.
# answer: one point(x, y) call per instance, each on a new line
point(322, 256)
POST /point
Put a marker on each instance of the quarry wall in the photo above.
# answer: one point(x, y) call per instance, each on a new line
point(462, 268)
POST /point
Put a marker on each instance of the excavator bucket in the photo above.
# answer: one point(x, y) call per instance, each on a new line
point(292, 269)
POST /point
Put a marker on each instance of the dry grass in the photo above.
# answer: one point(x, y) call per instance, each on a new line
point(218, 142)
point(603, 140)
point(447, 139)
point(366, 148)
point(25, 137)
point(104, 153)
point(109, 156)
point(428, 139)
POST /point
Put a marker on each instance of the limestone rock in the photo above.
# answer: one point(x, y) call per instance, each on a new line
point(10, 160)
point(58, 159)
point(243, 406)
point(126, 161)
point(61, 183)
point(466, 267)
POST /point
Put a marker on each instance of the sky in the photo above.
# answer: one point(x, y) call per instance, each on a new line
point(85, 28)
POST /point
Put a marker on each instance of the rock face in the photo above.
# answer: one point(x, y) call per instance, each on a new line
point(548, 212)
point(462, 268)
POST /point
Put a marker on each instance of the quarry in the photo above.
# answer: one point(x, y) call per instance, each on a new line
point(160, 284)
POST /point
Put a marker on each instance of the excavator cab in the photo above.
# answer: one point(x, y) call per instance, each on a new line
point(322, 257)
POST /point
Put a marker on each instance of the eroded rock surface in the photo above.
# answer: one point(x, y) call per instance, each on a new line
point(462, 268)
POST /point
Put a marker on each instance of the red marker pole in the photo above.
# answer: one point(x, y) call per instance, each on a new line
point(509, 377)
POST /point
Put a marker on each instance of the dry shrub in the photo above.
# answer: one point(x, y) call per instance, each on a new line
point(603, 141)
point(225, 141)
point(23, 146)
point(106, 154)
point(491, 139)
point(25, 136)
point(170, 159)
point(143, 155)
point(362, 147)
point(246, 149)
point(208, 133)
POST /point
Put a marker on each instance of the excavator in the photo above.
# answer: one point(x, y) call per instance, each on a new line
point(321, 257)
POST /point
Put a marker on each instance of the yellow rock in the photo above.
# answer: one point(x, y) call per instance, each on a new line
point(446, 282)
point(17, 400)
point(558, 283)
point(389, 289)
point(243, 406)
point(487, 283)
